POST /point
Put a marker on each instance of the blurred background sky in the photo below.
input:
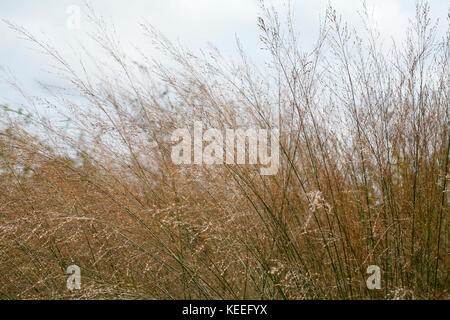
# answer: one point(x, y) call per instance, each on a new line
point(193, 22)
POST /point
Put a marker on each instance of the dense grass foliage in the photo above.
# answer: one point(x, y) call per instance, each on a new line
point(364, 147)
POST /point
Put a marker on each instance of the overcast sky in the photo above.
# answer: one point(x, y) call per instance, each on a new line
point(194, 22)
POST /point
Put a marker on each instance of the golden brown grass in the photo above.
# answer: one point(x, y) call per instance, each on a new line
point(363, 173)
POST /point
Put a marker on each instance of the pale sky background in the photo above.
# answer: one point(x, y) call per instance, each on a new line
point(194, 22)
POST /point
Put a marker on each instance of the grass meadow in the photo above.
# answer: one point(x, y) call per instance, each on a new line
point(362, 177)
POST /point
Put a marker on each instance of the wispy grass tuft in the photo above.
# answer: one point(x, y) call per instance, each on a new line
point(362, 180)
